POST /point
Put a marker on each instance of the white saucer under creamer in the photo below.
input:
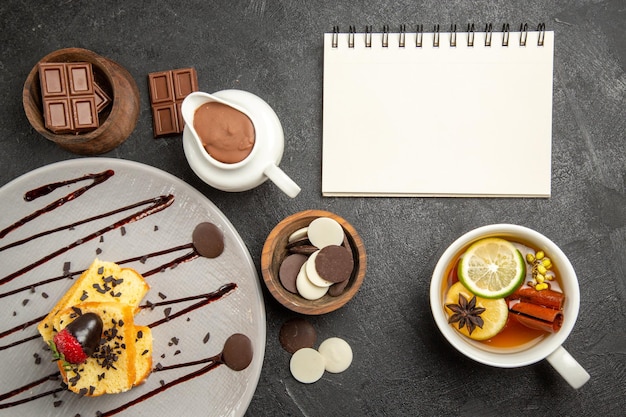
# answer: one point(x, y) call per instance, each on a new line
point(263, 161)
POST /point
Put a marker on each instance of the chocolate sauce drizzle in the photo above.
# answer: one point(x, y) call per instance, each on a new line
point(156, 204)
point(47, 189)
point(78, 223)
point(206, 299)
point(142, 258)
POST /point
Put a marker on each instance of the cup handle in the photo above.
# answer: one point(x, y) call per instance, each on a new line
point(278, 177)
point(567, 366)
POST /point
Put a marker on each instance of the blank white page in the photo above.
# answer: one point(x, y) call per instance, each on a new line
point(437, 121)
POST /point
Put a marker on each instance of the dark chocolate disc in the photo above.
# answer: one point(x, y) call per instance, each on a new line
point(297, 333)
point(304, 249)
point(237, 353)
point(338, 288)
point(208, 240)
point(297, 242)
point(288, 271)
point(334, 263)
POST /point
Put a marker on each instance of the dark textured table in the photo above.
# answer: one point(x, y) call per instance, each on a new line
point(402, 365)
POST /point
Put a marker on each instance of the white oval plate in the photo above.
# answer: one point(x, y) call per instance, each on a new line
point(218, 392)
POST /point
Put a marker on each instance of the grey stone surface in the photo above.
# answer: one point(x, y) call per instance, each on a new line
point(402, 365)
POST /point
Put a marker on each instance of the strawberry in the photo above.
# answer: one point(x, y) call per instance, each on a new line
point(76, 342)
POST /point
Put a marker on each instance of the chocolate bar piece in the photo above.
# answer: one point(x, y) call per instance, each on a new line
point(67, 92)
point(102, 98)
point(168, 89)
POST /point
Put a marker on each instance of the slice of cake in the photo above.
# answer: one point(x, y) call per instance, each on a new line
point(102, 282)
point(112, 366)
point(143, 353)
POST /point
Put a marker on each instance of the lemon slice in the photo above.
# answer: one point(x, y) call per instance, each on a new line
point(492, 268)
point(494, 316)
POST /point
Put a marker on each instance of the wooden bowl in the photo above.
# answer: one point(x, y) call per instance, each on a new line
point(275, 250)
point(117, 121)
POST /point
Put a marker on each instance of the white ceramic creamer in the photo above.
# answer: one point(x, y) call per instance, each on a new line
point(262, 162)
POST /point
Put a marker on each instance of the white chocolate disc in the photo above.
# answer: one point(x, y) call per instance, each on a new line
point(325, 231)
point(337, 354)
point(306, 288)
point(298, 234)
point(307, 365)
point(312, 274)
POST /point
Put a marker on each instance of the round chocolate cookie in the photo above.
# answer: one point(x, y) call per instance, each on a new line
point(334, 263)
point(288, 272)
point(297, 333)
point(208, 240)
point(237, 353)
point(338, 288)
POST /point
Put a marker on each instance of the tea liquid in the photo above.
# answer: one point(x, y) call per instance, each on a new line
point(514, 334)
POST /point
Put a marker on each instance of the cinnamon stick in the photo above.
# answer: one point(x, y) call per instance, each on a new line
point(546, 298)
point(538, 317)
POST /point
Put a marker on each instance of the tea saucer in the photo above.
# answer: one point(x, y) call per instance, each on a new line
point(270, 139)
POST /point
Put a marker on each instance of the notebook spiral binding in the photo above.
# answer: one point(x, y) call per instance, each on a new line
point(419, 33)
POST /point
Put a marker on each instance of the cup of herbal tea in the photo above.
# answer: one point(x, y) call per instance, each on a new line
point(507, 296)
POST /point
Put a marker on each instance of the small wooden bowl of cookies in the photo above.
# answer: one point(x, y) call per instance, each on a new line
point(313, 262)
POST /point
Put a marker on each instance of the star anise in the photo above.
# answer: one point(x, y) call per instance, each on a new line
point(466, 313)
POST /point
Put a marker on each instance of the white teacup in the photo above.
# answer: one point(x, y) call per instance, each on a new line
point(262, 162)
point(549, 347)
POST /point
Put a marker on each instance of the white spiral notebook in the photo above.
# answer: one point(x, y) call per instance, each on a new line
point(438, 113)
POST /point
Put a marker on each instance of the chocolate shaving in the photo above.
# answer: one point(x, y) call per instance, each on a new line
point(66, 268)
point(100, 289)
point(74, 380)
